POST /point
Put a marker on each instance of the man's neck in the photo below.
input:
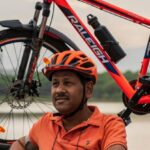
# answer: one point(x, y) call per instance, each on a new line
point(77, 118)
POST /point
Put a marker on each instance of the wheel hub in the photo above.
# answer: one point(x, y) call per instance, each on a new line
point(21, 95)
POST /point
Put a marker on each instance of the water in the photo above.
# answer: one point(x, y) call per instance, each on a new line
point(138, 132)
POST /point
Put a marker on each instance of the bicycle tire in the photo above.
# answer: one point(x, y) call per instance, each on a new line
point(9, 39)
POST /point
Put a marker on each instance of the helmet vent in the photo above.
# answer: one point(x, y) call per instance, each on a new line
point(83, 56)
point(74, 61)
point(54, 59)
point(64, 59)
point(87, 65)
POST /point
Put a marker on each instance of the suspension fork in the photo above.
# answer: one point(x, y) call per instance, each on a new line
point(36, 43)
point(27, 50)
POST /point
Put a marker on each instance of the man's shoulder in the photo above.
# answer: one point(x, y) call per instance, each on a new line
point(109, 117)
point(113, 121)
point(103, 118)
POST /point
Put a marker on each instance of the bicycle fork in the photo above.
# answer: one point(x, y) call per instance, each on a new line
point(27, 50)
point(35, 45)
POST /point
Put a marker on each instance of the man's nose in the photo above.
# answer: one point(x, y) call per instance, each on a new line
point(61, 88)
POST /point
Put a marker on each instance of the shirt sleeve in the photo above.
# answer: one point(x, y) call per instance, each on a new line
point(34, 133)
point(114, 132)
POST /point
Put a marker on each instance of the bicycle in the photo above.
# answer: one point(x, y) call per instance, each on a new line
point(21, 88)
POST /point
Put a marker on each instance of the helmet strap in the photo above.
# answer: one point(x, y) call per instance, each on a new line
point(83, 102)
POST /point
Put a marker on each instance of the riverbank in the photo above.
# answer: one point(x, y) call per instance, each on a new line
point(138, 132)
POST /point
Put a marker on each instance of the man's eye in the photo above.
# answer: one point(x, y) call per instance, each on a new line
point(68, 83)
point(54, 83)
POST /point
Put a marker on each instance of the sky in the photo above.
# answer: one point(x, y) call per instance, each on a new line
point(132, 37)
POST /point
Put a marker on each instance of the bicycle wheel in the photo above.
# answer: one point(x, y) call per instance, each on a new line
point(18, 114)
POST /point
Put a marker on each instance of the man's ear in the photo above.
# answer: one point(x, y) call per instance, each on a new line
point(89, 89)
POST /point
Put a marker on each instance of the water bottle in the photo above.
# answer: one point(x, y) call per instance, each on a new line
point(110, 45)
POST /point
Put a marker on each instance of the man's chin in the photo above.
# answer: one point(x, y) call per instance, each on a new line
point(62, 111)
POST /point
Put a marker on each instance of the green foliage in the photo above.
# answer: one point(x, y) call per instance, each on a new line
point(104, 90)
point(107, 90)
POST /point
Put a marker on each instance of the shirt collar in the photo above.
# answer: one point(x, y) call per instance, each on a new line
point(95, 119)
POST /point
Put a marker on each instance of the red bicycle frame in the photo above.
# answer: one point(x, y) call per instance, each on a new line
point(98, 50)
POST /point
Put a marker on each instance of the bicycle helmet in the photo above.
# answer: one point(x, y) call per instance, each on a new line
point(71, 60)
point(77, 62)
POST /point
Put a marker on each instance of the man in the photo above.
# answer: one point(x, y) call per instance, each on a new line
point(76, 126)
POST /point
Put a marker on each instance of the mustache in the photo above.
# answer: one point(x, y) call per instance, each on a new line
point(61, 95)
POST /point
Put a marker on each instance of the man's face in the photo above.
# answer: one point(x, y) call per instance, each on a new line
point(66, 91)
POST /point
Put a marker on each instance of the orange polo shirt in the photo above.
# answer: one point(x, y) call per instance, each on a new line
point(99, 132)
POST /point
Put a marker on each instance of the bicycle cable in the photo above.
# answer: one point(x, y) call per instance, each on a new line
point(114, 14)
point(52, 16)
point(125, 18)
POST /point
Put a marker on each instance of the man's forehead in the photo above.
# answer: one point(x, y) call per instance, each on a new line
point(64, 73)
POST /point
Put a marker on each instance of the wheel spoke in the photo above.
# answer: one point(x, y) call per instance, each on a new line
point(18, 56)
point(11, 61)
point(46, 104)
point(3, 101)
point(41, 58)
point(5, 72)
point(19, 105)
